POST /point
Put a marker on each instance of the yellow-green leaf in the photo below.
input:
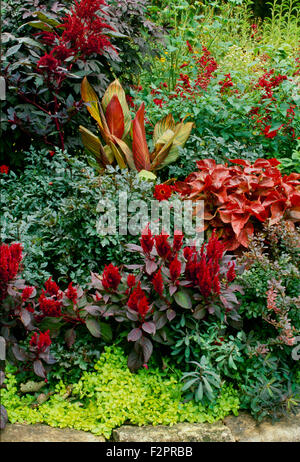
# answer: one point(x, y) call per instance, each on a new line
point(90, 141)
point(146, 175)
point(167, 123)
point(90, 97)
point(182, 132)
point(126, 151)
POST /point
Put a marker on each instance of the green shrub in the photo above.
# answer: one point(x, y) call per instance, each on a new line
point(51, 208)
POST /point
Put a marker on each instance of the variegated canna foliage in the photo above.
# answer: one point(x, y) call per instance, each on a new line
point(125, 139)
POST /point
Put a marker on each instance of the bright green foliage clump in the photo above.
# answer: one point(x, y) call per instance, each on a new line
point(111, 396)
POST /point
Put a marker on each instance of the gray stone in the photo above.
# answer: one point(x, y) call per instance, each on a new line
point(44, 434)
point(184, 432)
point(245, 429)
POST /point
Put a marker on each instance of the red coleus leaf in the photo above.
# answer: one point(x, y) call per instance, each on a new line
point(139, 144)
point(115, 117)
point(245, 234)
point(277, 212)
point(238, 221)
point(234, 195)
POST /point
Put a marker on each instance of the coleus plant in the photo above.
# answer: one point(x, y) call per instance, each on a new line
point(239, 197)
point(124, 138)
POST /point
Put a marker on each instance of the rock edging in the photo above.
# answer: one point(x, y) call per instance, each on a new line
point(242, 428)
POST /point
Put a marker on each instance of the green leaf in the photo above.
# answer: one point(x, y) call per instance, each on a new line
point(183, 299)
point(94, 327)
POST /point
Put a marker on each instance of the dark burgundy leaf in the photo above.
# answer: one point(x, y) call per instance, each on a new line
point(149, 327)
point(134, 335)
point(39, 368)
point(70, 337)
point(147, 348)
point(134, 361)
point(19, 354)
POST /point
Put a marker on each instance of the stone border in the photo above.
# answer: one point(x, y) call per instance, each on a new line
point(242, 428)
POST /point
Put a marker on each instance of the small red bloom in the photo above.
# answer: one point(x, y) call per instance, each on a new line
point(131, 281)
point(4, 169)
point(158, 101)
point(177, 241)
point(162, 246)
point(162, 192)
point(175, 269)
point(26, 293)
point(158, 283)
point(231, 272)
point(30, 308)
point(138, 301)
point(51, 287)
point(41, 341)
point(49, 306)
point(147, 240)
point(71, 293)
point(48, 63)
point(111, 277)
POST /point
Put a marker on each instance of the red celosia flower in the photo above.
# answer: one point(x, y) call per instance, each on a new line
point(131, 281)
point(175, 269)
point(41, 341)
point(10, 259)
point(72, 293)
point(30, 308)
point(138, 301)
point(147, 240)
point(203, 267)
point(162, 246)
point(162, 192)
point(111, 277)
point(26, 293)
point(158, 283)
point(50, 307)
point(231, 272)
point(177, 240)
point(51, 287)
point(4, 169)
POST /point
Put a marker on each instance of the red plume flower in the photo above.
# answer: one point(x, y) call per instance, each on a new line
point(111, 277)
point(147, 240)
point(162, 246)
point(158, 283)
point(175, 269)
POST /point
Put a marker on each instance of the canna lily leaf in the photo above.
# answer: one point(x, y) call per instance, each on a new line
point(118, 156)
point(115, 89)
point(90, 98)
point(182, 132)
point(126, 151)
point(92, 143)
point(165, 124)
point(114, 117)
point(139, 144)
